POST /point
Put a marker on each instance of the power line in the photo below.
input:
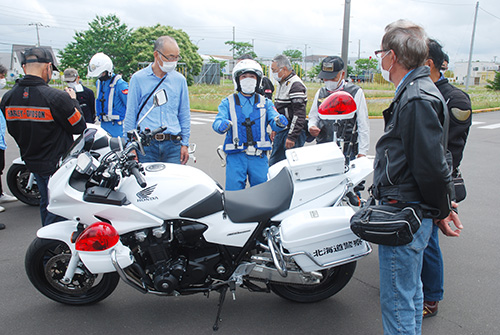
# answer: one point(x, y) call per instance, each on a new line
point(484, 10)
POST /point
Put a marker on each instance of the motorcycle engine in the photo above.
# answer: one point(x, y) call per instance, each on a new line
point(174, 255)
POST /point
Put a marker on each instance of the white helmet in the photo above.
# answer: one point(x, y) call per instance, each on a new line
point(246, 66)
point(99, 63)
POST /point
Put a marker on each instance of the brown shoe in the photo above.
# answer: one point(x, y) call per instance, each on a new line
point(430, 308)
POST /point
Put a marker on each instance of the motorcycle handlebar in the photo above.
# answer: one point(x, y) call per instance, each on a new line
point(139, 177)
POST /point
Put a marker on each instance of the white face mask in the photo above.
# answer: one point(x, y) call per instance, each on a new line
point(385, 73)
point(276, 76)
point(71, 84)
point(3, 82)
point(248, 85)
point(332, 85)
point(168, 66)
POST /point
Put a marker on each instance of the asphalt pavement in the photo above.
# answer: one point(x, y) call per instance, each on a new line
point(472, 297)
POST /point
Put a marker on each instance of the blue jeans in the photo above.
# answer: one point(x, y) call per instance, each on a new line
point(47, 217)
point(401, 297)
point(164, 151)
point(432, 269)
point(240, 165)
point(278, 152)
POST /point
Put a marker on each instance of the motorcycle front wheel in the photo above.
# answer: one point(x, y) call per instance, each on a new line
point(334, 280)
point(46, 262)
point(18, 179)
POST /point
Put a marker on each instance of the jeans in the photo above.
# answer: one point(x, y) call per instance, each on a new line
point(432, 269)
point(47, 217)
point(164, 151)
point(401, 296)
point(278, 152)
point(240, 165)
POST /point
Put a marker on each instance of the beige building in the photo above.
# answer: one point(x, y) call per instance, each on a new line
point(480, 72)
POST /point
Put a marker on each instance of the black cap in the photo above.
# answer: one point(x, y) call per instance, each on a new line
point(43, 55)
point(330, 67)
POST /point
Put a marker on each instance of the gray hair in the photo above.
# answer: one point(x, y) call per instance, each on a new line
point(408, 41)
point(162, 40)
point(3, 69)
point(283, 61)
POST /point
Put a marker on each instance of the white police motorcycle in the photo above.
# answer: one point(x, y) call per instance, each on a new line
point(171, 230)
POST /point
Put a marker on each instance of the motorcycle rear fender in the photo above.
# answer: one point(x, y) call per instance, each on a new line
point(19, 161)
point(95, 261)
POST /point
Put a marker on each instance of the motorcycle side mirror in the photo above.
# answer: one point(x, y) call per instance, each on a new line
point(159, 99)
point(337, 106)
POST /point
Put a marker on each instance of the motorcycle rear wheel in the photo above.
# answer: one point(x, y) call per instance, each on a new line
point(46, 262)
point(17, 180)
point(334, 280)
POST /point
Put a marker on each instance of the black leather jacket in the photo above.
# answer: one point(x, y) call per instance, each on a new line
point(410, 164)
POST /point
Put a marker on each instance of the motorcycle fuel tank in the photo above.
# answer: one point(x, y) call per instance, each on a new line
point(171, 188)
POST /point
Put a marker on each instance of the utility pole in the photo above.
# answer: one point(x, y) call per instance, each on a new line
point(305, 60)
point(37, 33)
point(345, 33)
point(359, 49)
point(234, 40)
point(469, 66)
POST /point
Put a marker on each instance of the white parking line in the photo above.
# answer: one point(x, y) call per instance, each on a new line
point(207, 119)
point(475, 123)
point(491, 126)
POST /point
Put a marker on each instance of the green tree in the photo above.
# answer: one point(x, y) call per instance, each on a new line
point(313, 73)
point(241, 48)
point(365, 64)
point(350, 71)
point(294, 55)
point(105, 34)
point(495, 83)
point(142, 49)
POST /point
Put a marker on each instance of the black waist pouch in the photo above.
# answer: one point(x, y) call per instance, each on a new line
point(387, 224)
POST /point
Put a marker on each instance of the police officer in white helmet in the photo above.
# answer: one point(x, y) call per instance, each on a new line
point(111, 92)
point(244, 117)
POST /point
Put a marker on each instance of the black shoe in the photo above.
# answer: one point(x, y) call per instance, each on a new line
point(2, 226)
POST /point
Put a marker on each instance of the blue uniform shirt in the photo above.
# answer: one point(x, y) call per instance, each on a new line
point(175, 114)
point(3, 145)
point(119, 99)
point(247, 107)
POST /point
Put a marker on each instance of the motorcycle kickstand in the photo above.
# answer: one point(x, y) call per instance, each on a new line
point(222, 297)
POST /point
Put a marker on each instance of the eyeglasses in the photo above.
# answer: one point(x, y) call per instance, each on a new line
point(378, 52)
point(170, 58)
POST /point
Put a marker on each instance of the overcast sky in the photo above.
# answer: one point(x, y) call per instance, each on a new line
point(312, 26)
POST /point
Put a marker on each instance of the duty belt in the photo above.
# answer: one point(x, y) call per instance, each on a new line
point(167, 137)
point(252, 151)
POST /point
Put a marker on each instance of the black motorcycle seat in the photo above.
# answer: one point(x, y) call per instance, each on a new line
point(260, 202)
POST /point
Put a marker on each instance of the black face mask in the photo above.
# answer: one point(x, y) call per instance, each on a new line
point(105, 76)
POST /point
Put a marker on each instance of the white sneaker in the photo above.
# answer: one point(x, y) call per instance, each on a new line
point(2, 209)
point(7, 198)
